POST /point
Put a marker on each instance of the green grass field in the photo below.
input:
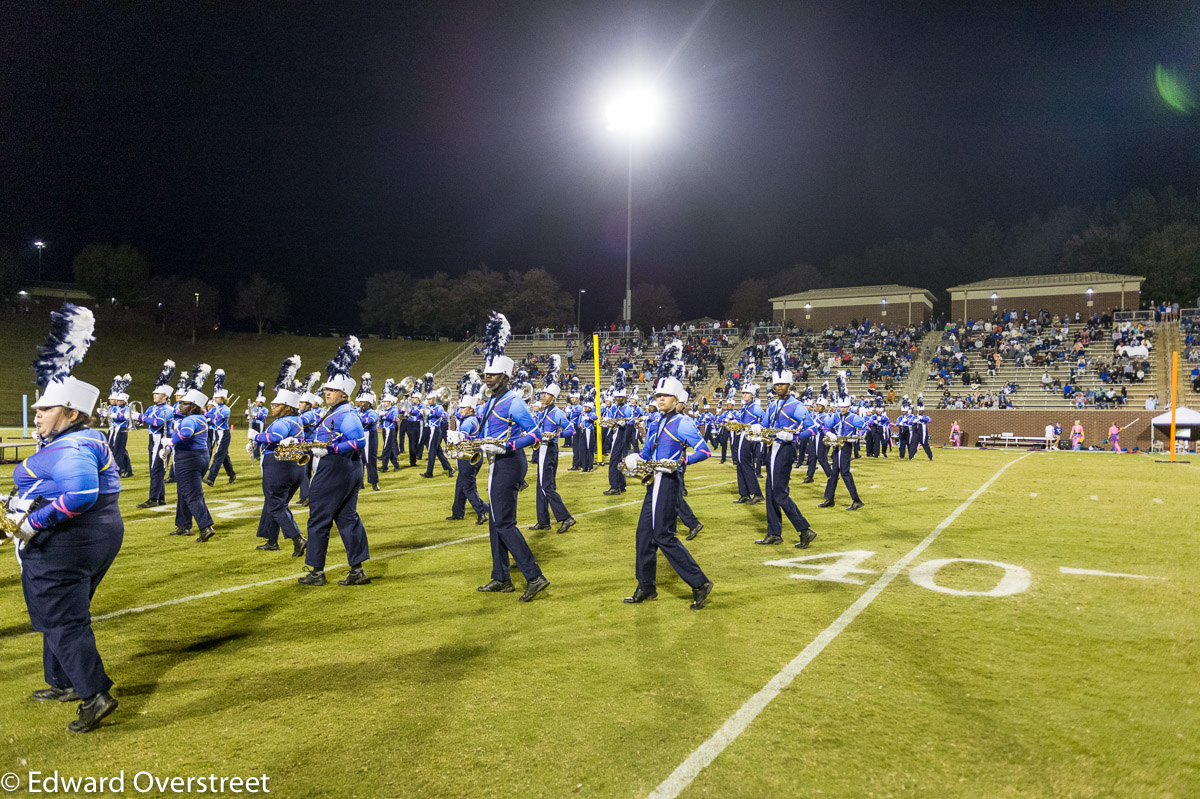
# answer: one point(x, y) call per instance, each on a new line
point(1074, 686)
point(141, 349)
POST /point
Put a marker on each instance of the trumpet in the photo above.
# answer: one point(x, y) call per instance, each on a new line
point(469, 449)
point(645, 470)
point(299, 452)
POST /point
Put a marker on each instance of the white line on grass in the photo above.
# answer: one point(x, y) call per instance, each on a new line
point(736, 724)
point(231, 589)
point(1098, 573)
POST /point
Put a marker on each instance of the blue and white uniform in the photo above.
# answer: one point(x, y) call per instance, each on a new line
point(189, 441)
point(507, 418)
point(787, 414)
point(218, 423)
point(280, 480)
point(156, 418)
point(333, 491)
point(552, 423)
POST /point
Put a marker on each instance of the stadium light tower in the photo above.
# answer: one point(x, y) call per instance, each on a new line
point(41, 245)
point(634, 111)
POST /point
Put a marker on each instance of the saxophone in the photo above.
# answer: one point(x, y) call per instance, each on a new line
point(299, 452)
point(469, 450)
point(645, 470)
point(8, 527)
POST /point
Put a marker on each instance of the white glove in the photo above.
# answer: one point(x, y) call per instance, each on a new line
point(786, 436)
point(622, 422)
point(166, 446)
point(318, 452)
point(25, 532)
point(454, 436)
point(830, 439)
point(491, 449)
point(249, 447)
point(755, 428)
point(287, 442)
point(632, 460)
point(664, 469)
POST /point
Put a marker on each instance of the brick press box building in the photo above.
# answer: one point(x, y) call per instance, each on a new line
point(892, 305)
point(1084, 293)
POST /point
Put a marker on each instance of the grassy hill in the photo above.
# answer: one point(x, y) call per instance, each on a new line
point(140, 349)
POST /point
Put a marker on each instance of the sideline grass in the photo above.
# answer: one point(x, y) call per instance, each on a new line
point(418, 686)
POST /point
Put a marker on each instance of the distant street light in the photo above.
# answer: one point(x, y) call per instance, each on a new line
point(579, 312)
point(41, 245)
point(634, 112)
point(195, 316)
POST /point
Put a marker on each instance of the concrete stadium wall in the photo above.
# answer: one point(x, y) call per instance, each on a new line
point(977, 423)
point(822, 317)
point(1102, 302)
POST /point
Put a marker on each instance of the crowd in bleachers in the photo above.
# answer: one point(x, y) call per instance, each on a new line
point(1189, 329)
point(1114, 353)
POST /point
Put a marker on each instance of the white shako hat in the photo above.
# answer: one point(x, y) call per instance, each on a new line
point(550, 385)
point(496, 334)
point(181, 384)
point(71, 329)
point(163, 384)
point(389, 391)
point(307, 389)
point(779, 370)
point(285, 393)
point(750, 388)
point(337, 373)
point(365, 394)
point(259, 396)
point(219, 389)
point(618, 384)
point(669, 370)
point(470, 389)
point(193, 392)
point(120, 388)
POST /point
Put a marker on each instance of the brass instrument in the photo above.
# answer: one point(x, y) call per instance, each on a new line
point(469, 449)
point(836, 441)
point(768, 433)
point(736, 427)
point(645, 470)
point(441, 396)
point(8, 527)
point(299, 452)
point(526, 391)
point(405, 387)
point(612, 421)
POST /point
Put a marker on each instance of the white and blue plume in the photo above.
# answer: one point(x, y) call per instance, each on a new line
point(71, 329)
point(346, 357)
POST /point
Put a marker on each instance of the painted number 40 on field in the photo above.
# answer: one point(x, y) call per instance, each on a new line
point(837, 567)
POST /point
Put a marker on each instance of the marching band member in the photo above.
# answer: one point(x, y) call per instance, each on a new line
point(426, 410)
point(574, 411)
point(622, 415)
point(667, 442)
point(118, 424)
point(744, 451)
point(785, 414)
point(904, 427)
point(686, 515)
point(436, 422)
point(156, 419)
point(465, 490)
point(310, 417)
point(257, 414)
point(606, 432)
point(189, 443)
point(389, 419)
point(280, 479)
point(817, 451)
point(552, 424)
point(337, 475)
point(586, 434)
point(918, 435)
point(370, 422)
point(218, 424)
point(68, 543)
point(416, 423)
point(845, 428)
point(506, 418)
point(169, 457)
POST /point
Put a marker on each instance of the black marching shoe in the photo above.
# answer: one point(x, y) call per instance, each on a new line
point(206, 534)
point(374, 486)
point(314, 577)
point(181, 531)
point(806, 538)
point(855, 505)
point(449, 472)
point(232, 477)
point(770, 539)
point(92, 712)
point(270, 546)
point(481, 518)
point(566, 524)
point(700, 595)
point(427, 475)
point(741, 500)
point(57, 694)
point(455, 518)
point(695, 531)
point(208, 482)
point(524, 485)
point(806, 480)
point(538, 527)
point(356, 577)
point(169, 480)
point(147, 504)
point(496, 587)
point(303, 503)
point(612, 492)
point(826, 504)
point(640, 596)
point(754, 500)
point(685, 492)
point(299, 544)
point(533, 588)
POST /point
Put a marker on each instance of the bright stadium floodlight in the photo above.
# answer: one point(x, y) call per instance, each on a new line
point(634, 111)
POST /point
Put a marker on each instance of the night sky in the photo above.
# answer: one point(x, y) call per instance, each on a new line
point(317, 143)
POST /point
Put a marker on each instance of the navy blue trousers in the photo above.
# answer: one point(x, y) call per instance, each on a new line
point(656, 531)
point(333, 499)
point(118, 442)
point(919, 438)
point(189, 491)
point(587, 451)
point(745, 453)
point(465, 489)
point(158, 470)
point(504, 475)
point(620, 448)
point(818, 455)
point(280, 482)
point(435, 451)
point(778, 496)
point(548, 498)
point(59, 576)
point(305, 480)
point(371, 458)
point(416, 432)
point(685, 510)
point(390, 456)
point(220, 455)
point(840, 467)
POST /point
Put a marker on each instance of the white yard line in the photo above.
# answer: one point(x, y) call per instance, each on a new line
point(1098, 573)
point(231, 589)
point(736, 724)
